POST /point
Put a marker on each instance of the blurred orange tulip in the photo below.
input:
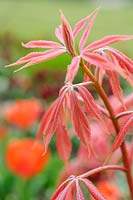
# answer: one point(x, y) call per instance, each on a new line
point(25, 157)
point(23, 113)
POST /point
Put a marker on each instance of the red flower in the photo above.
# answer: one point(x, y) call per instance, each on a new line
point(25, 157)
point(23, 113)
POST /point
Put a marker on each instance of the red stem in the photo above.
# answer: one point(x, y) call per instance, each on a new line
point(99, 169)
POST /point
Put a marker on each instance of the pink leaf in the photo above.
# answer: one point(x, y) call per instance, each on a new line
point(79, 193)
point(70, 193)
point(122, 58)
point(67, 35)
point(48, 55)
point(79, 120)
point(91, 106)
point(49, 121)
point(128, 102)
point(98, 61)
point(72, 69)
point(122, 133)
point(122, 69)
point(63, 194)
point(59, 34)
point(60, 189)
point(115, 85)
point(42, 44)
point(112, 39)
point(93, 190)
point(99, 74)
point(86, 33)
point(63, 143)
point(86, 77)
point(81, 23)
point(27, 58)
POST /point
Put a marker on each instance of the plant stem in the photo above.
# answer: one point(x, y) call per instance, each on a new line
point(104, 97)
point(103, 168)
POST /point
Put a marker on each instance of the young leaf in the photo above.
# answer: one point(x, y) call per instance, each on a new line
point(59, 35)
point(50, 120)
point(60, 189)
point(47, 119)
point(122, 133)
point(79, 120)
point(42, 44)
point(98, 60)
point(93, 190)
point(115, 85)
point(63, 143)
point(72, 69)
point(91, 106)
point(122, 58)
point(79, 26)
point(86, 33)
point(67, 35)
point(79, 193)
point(63, 194)
point(37, 58)
point(112, 39)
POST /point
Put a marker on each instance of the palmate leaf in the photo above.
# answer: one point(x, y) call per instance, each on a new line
point(72, 186)
point(122, 133)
